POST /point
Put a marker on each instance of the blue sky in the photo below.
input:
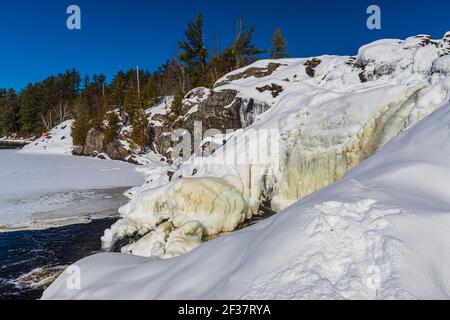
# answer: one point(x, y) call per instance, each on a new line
point(119, 34)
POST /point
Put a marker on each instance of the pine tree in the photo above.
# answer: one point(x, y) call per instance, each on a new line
point(113, 129)
point(140, 129)
point(177, 104)
point(193, 52)
point(99, 116)
point(28, 114)
point(117, 90)
point(81, 125)
point(239, 54)
point(279, 46)
point(9, 110)
point(150, 93)
point(132, 102)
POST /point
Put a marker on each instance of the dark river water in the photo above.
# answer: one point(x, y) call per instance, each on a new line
point(30, 260)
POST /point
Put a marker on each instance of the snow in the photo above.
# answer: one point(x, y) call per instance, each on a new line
point(37, 188)
point(425, 58)
point(387, 54)
point(167, 244)
point(442, 65)
point(163, 107)
point(59, 141)
point(306, 138)
point(382, 232)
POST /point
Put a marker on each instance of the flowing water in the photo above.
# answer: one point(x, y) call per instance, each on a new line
point(31, 260)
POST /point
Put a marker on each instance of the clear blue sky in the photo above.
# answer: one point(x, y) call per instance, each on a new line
point(119, 34)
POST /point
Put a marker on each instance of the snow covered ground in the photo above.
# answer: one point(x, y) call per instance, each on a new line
point(381, 232)
point(41, 189)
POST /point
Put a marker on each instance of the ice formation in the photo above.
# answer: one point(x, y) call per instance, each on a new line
point(331, 113)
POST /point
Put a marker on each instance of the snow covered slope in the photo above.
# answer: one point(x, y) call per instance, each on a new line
point(309, 121)
point(381, 232)
point(59, 141)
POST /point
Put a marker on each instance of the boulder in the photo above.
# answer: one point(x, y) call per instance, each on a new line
point(95, 142)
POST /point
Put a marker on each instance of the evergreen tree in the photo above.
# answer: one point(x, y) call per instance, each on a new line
point(68, 85)
point(173, 78)
point(140, 129)
point(132, 102)
point(177, 104)
point(193, 52)
point(99, 116)
point(279, 46)
point(28, 114)
point(239, 54)
point(117, 90)
point(150, 93)
point(113, 129)
point(81, 125)
point(9, 111)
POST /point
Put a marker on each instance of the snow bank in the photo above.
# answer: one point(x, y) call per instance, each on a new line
point(58, 142)
point(382, 232)
point(330, 114)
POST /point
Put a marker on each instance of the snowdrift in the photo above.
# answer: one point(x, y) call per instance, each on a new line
point(329, 113)
point(382, 232)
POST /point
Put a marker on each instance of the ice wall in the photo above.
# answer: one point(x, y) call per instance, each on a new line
point(305, 171)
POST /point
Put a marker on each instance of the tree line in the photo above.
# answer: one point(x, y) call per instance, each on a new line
point(92, 102)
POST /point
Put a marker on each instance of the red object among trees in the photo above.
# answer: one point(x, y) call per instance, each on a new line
point(45, 134)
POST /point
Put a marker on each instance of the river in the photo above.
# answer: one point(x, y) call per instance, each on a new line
point(31, 260)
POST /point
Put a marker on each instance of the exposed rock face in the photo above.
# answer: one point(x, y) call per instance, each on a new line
point(95, 142)
point(274, 89)
point(96, 145)
point(221, 110)
point(205, 109)
point(116, 151)
point(250, 72)
point(311, 66)
point(77, 151)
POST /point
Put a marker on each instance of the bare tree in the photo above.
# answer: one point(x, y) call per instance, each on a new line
point(58, 114)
